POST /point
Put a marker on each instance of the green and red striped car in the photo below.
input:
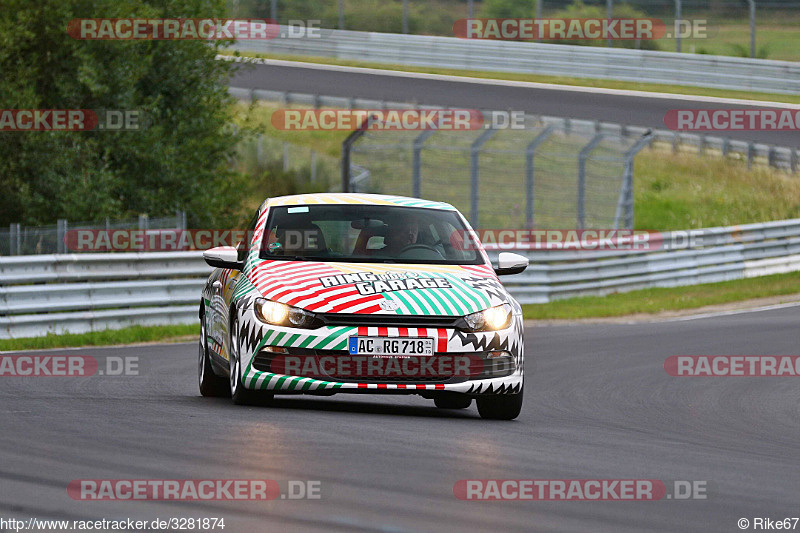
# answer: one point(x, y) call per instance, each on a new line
point(361, 293)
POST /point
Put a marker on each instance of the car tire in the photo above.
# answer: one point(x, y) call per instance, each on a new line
point(239, 394)
point(500, 406)
point(211, 385)
point(453, 401)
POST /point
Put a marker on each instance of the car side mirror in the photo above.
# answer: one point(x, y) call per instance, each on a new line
point(508, 263)
point(223, 257)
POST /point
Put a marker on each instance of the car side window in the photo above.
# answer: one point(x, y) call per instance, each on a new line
point(244, 246)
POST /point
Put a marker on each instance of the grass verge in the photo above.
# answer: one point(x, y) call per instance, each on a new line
point(559, 80)
point(672, 191)
point(653, 301)
point(131, 335)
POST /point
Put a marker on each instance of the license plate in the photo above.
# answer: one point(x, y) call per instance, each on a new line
point(390, 346)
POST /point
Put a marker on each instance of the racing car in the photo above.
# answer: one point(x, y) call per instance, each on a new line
point(362, 293)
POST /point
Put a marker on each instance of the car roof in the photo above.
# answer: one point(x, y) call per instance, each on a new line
point(356, 198)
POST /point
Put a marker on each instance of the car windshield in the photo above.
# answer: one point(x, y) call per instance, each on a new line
point(368, 233)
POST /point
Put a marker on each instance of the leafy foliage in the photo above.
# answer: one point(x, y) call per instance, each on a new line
point(179, 161)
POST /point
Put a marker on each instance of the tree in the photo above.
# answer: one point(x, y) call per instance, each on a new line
point(180, 160)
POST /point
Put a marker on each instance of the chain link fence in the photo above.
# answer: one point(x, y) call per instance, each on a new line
point(52, 239)
point(551, 174)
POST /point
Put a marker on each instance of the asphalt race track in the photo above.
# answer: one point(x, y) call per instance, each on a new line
point(598, 405)
point(646, 111)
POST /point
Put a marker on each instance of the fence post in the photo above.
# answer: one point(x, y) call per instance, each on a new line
point(61, 236)
point(416, 165)
point(752, 27)
point(582, 156)
point(625, 201)
point(675, 28)
point(273, 10)
point(285, 156)
point(539, 9)
point(347, 145)
point(530, 151)
point(475, 151)
point(144, 222)
point(14, 244)
point(609, 16)
point(313, 165)
point(405, 16)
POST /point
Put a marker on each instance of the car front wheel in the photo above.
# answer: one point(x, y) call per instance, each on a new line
point(500, 406)
point(211, 385)
point(241, 395)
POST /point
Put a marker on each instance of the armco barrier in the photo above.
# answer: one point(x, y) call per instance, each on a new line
point(78, 293)
point(701, 70)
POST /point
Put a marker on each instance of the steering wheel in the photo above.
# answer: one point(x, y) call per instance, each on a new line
point(417, 246)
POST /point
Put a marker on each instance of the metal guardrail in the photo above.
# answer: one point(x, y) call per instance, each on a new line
point(90, 292)
point(781, 157)
point(536, 58)
point(78, 293)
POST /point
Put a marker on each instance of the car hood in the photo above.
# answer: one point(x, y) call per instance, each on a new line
point(374, 288)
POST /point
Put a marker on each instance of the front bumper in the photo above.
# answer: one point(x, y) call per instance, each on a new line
point(330, 343)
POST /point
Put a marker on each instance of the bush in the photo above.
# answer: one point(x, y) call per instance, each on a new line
point(579, 10)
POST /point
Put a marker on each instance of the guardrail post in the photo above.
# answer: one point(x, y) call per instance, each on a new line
point(751, 150)
point(793, 159)
point(675, 140)
point(416, 165)
point(61, 236)
point(475, 150)
point(726, 146)
point(771, 157)
point(582, 156)
point(530, 151)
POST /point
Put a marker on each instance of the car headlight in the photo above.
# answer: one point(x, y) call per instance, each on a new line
point(279, 314)
point(494, 318)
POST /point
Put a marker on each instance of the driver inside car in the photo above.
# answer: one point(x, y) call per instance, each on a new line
point(400, 233)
